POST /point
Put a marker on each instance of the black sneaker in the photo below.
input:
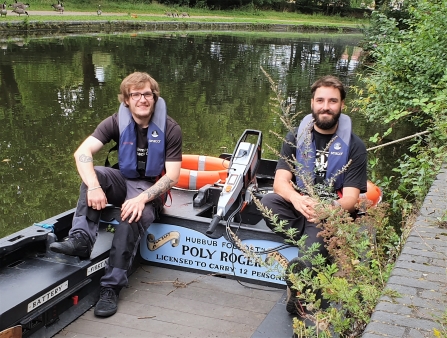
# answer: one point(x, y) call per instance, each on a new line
point(293, 305)
point(75, 245)
point(107, 304)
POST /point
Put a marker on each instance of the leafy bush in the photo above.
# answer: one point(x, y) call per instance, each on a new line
point(362, 255)
point(407, 83)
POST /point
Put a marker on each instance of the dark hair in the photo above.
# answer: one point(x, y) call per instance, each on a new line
point(329, 81)
point(137, 80)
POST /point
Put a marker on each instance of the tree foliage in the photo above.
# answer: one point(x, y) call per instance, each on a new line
point(407, 83)
point(323, 6)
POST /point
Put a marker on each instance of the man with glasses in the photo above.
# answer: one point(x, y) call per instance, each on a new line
point(149, 156)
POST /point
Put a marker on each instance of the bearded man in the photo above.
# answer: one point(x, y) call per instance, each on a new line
point(322, 151)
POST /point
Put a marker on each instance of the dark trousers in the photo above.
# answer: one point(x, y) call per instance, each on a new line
point(127, 236)
point(286, 211)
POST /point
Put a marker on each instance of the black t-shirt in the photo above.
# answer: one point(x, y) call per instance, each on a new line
point(108, 130)
point(355, 175)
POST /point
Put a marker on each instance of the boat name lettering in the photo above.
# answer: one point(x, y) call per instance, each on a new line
point(208, 242)
point(233, 258)
point(197, 252)
point(47, 296)
point(96, 267)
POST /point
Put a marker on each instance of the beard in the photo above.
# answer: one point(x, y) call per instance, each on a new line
point(326, 124)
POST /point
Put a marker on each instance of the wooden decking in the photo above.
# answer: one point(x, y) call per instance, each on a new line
point(161, 302)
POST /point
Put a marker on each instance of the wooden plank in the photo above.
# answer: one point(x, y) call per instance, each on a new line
point(66, 333)
point(90, 326)
point(153, 274)
point(217, 292)
point(122, 325)
point(174, 323)
point(199, 307)
point(215, 297)
point(196, 305)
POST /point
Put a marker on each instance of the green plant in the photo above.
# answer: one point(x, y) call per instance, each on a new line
point(442, 332)
point(407, 86)
point(441, 221)
point(201, 4)
point(25, 21)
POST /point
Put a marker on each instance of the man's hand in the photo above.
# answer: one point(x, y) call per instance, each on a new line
point(96, 199)
point(283, 187)
point(133, 209)
point(305, 205)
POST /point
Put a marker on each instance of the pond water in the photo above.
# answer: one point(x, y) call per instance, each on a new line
point(55, 90)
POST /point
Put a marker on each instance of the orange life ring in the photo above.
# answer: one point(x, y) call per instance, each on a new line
point(198, 171)
point(373, 193)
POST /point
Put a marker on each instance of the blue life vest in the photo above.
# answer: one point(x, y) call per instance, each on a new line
point(127, 151)
point(338, 150)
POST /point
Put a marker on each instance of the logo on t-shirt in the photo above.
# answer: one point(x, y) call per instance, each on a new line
point(142, 153)
point(154, 133)
point(321, 158)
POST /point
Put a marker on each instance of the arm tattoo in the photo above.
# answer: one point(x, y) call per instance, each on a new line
point(160, 187)
point(85, 159)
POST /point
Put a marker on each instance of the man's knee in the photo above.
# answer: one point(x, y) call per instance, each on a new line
point(126, 230)
point(267, 200)
point(272, 201)
point(100, 169)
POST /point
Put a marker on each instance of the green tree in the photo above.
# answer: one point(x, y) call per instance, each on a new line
point(407, 84)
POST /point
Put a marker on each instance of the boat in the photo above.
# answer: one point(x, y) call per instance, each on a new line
point(193, 234)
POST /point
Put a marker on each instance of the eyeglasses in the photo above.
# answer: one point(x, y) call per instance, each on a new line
point(136, 96)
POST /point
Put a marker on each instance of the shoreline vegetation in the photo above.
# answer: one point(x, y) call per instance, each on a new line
point(124, 17)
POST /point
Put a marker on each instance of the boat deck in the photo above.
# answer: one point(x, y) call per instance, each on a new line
point(161, 302)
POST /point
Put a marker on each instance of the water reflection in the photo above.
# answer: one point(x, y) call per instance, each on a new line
point(349, 61)
point(54, 91)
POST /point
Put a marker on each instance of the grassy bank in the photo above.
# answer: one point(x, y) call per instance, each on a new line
point(42, 11)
